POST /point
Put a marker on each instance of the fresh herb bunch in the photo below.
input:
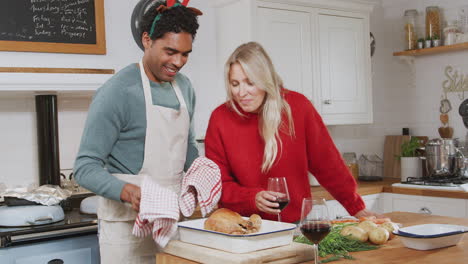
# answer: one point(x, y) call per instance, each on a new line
point(409, 148)
point(337, 245)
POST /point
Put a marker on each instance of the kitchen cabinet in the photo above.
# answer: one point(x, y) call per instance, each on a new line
point(320, 48)
point(344, 68)
point(429, 205)
point(374, 202)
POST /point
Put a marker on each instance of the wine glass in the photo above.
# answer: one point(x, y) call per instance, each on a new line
point(279, 186)
point(315, 222)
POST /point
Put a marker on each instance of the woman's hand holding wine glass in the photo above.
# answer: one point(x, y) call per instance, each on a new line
point(315, 222)
point(275, 198)
point(279, 188)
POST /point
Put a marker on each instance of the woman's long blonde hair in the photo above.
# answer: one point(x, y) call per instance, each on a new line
point(259, 69)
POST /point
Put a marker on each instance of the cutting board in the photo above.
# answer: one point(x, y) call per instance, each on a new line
point(292, 253)
point(392, 149)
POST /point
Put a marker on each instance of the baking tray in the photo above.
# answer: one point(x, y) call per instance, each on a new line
point(272, 234)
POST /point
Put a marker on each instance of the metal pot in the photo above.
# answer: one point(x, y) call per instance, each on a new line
point(441, 158)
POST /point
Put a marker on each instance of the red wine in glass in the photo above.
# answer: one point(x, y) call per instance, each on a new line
point(315, 222)
point(279, 186)
point(282, 203)
point(315, 232)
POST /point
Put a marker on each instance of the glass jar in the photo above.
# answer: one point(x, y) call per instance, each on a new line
point(410, 29)
point(450, 34)
point(351, 162)
point(433, 26)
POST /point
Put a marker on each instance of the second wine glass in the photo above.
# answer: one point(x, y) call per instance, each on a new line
point(315, 222)
point(280, 187)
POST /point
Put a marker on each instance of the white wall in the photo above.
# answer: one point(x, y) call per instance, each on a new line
point(404, 96)
point(18, 142)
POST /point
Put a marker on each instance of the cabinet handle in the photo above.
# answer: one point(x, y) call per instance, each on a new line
point(425, 210)
point(328, 101)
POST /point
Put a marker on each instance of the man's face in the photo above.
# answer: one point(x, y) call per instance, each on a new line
point(165, 56)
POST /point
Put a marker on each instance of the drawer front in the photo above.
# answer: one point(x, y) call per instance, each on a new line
point(435, 206)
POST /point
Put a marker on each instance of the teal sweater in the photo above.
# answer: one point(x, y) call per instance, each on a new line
point(113, 139)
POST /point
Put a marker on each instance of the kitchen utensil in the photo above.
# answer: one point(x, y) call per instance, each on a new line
point(271, 234)
point(370, 168)
point(89, 205)
point(291, 253)
point(13, 201)
point(392, 149)
point(440, 157)
point(430, 236)
point(139, 10)
point(29, 215)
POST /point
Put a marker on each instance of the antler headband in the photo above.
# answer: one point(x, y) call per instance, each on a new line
point(170, 4)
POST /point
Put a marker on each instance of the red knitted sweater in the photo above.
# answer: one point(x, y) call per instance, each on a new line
point(234, 143)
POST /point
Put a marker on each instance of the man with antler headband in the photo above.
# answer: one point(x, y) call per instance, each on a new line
point(140, 123)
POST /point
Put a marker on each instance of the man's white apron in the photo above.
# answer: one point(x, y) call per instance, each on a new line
point(164, 158)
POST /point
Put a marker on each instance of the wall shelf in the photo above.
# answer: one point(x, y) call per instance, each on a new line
point(43, 80)
point(435, 50)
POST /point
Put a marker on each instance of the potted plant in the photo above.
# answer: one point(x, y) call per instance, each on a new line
point(428, 42)
point(410, 161)
point(420, 43)
point(436, 41)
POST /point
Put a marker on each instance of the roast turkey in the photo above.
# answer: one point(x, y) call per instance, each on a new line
point(227, 221)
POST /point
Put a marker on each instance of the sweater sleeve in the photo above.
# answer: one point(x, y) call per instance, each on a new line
point(234, 196)
point(105, 118)
point(326, 164)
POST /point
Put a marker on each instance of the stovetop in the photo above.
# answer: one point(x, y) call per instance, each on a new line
point(74, 223)
point(442, 181)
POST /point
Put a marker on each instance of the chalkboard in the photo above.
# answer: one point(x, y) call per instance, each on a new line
point(65, 26)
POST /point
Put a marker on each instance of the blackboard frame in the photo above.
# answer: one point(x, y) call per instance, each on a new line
point(98, 48)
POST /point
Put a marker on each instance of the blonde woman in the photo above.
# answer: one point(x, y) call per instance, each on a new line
point(265, 130)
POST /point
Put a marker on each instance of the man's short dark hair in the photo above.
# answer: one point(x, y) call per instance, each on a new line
point(175, 19)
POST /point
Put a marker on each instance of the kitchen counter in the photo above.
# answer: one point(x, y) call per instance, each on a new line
point(366, 188)
point(393, 251)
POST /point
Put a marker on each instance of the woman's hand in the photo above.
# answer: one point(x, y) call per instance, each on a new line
point(266, 202)
point(367, 213)
point(132, 194)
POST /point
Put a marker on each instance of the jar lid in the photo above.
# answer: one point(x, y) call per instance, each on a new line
point(411, 12)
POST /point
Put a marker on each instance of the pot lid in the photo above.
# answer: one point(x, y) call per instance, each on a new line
point(30, 215)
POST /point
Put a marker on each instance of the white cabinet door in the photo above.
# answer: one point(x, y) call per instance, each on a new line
point(286, 36)
point(374, 202)
point(344, 68)
point(429, 205)
point(321, 53)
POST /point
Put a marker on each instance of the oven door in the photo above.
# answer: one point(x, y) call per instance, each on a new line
point(82, 249)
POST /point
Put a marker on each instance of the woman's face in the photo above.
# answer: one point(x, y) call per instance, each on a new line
point(244, 92)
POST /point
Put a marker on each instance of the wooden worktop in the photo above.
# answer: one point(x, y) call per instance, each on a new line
point(393, 251)
point(366, 188)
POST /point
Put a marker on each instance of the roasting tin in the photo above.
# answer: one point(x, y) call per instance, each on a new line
point(45, 195)
point(272, 234)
